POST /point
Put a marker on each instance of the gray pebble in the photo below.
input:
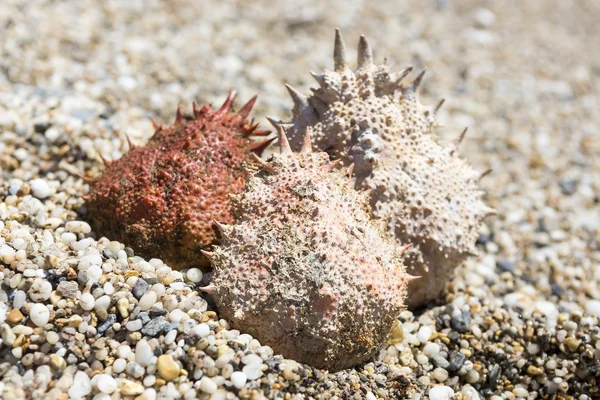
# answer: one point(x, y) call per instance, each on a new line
point(140, 288)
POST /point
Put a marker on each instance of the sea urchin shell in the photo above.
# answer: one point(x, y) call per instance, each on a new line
point(304, 268)
point(161, 198)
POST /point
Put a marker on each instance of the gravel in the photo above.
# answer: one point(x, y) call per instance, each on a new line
point(82, 316)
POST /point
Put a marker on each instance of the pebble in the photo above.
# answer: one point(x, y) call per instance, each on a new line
point(104, 383)
point(130, 388)
point(14, 316)
point(39, 314)
point(143, 353)
point(441, 393)
point(39, 188)
point(194, 275)
point(207, 385)
point(87, 301)
point(167, 367)
point(81, 386)
point(238, 379)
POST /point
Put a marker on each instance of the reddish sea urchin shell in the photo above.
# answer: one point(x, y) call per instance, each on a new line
point(161, 198)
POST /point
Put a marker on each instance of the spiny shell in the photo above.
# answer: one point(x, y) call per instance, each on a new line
point(161, 198)
point(369, 117)
point(304, 268)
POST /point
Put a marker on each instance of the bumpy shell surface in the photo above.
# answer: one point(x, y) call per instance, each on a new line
point(371, 118)
point(161, 198)
point(304, 268)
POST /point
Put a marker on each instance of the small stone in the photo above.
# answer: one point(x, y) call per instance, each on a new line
point(123, 307)
point(441, 392)
point(57, 362)
point(140, 288)
point(143, 353)
point(440, 374)
point(194, 275)
point(40, 290)
point(147, 301)
point(252, 371)
point(154, 327)
point(68, 289)
point(202, 330)
point(534, 371)
point(81, 386)
point(572, 343)
point(134, 325)
point(87, 301)
point(130, 388)
point(439, 361)
point(14, 316)
point(461, 322)
point(119, 365)
point(167, 367)
point(424, 334)
point(52, 337)
point(7, 254)
point(170, 337)
point(207, 385)
point(505, 266)
point(39, 188)
point(104, 383)
point(238, 379)
point(39, 314)
point(135, 370)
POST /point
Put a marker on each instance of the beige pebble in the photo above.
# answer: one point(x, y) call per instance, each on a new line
point(14, 316)
point(167, 367)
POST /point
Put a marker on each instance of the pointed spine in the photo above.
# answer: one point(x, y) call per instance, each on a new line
point(106, 162)
point(320, 78)
point(484, 173)
point(210, 289)
point(130, 143)
point(263, 163)
point(196, 110)
point(260, 146)
point(300, 100)
point(179, 114)
point(399, 77)
point(245, 110)
point(339, 53)
point(283, 141)
point(226, 107)
point(306, 145)
point(365, 54)
point(438, 106)
point(417, 82)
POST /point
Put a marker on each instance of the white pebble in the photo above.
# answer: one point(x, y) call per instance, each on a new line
point(147, 301)
point(7, 254)
point(19, 299)
point(40, 290)
point(39, 188)
point(238, 379)
point(592, 307)
point(134, 325)
point(194, 275)
point(170, 337)
point(40, 315)
point(252, 371)
point(87, 301)
point(143, 353)
point(102, 303)
point(78, 227)
point(52, 337)
point(119, 365)
point(424, 334)
point(441, 393)
point(207, 385)
point(104, 383)
point(81, 386)
point(252, 359)
point(202, 330)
